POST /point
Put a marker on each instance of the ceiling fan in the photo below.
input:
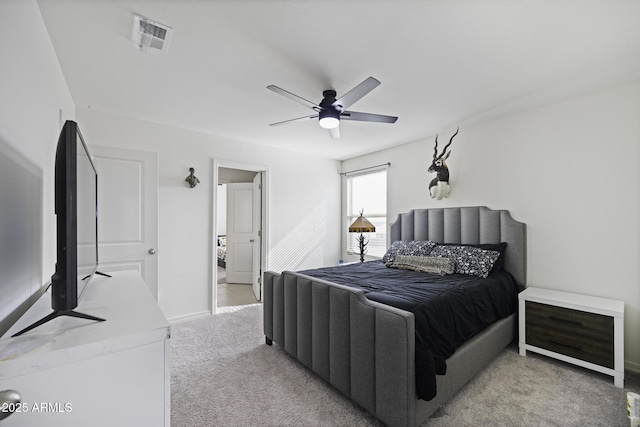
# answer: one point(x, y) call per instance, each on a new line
point(331, 110)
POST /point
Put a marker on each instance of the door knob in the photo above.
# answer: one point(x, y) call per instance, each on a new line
point(9, 400)
point(152, 251)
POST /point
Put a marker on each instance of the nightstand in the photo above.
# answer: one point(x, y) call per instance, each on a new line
point(579, 329)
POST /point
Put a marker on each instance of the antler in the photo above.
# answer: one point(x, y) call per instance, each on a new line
point(446, 146)
point(435, 149)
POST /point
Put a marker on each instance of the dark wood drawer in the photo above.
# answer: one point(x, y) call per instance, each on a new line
point(580, 347)
point(576, 322)
point(585, 336)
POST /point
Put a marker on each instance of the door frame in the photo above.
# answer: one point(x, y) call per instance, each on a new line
point(264, 241)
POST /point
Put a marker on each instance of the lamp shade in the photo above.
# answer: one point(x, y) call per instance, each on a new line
point(362, 225)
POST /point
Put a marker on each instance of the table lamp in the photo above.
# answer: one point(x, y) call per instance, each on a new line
point(362, 225)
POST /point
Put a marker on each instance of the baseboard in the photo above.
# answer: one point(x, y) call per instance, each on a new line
point(191, 316)
point(632, 367)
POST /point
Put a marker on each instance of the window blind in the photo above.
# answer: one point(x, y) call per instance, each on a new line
point(367, 192)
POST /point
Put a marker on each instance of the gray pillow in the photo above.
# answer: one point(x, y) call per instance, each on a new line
point(413, 247)
point(425, 264)
point(469, 260)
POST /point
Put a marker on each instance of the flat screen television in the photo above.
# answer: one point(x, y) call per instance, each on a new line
point(76, 209)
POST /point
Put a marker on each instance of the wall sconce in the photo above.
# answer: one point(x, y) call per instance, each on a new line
point(191, 179)
point(362, 225)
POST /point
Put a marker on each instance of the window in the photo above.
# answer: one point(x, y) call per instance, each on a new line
point(368, 193)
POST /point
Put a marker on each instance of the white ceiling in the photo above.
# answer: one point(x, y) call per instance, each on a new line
point(441, 63)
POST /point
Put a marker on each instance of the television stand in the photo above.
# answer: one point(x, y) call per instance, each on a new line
point(56, 314)
point(100, 273)
point(82, 373)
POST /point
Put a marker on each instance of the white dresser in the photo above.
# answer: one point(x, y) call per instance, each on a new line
point(75, 372)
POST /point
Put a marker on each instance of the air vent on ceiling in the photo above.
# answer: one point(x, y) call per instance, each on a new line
point(150, 36)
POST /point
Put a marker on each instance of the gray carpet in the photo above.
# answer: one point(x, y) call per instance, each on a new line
point(223, 374)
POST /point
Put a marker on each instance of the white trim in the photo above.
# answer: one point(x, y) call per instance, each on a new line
point(233, 164)
point(190, 316)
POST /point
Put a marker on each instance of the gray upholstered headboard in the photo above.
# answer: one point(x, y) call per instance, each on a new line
point(468, 225)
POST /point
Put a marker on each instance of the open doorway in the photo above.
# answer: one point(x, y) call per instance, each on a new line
point(240, 200)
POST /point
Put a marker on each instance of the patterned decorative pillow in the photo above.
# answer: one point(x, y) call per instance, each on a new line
point(425, 264)
point(413, 247)
point(469, 260)
point(501, 248)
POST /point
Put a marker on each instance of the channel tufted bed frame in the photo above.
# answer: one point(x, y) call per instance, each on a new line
point(366, 349)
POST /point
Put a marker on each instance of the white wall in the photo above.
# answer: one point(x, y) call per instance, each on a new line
point(304, 204)
point(570, 171)
point(33, 98)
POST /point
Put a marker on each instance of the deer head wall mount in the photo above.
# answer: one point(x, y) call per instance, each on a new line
point(439, 186)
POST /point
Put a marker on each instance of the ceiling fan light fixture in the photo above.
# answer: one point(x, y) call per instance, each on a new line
point(329, 119)
point(329, 122)
point(331, 111)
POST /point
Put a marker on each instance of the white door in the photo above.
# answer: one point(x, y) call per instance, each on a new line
point(240, 233)
point(257, 235)
point(127, 212)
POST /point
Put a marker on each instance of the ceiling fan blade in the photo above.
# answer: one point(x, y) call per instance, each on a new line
point(349, 98)
point(367, 117)
point(313, 116)
point(335, 132)
point(294, 97)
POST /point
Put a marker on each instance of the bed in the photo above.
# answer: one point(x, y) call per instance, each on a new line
point(221, 251)
point(366, 349)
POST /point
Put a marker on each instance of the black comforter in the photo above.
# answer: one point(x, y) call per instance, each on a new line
point(448, 310)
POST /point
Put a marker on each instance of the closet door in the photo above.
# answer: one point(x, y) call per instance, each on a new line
point(240, 233)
